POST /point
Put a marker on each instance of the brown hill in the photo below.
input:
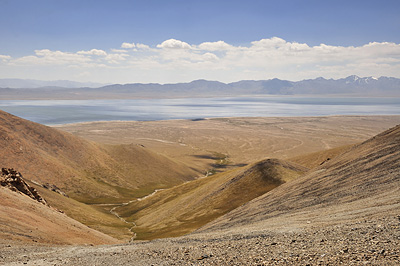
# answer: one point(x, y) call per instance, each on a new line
point(315, 159)
point(184, 208)
point(24, 219)
point(345, 212)
point(84, 170)
point(95, 216)
point(362, 182)
point(26, 216)
point(87, 172)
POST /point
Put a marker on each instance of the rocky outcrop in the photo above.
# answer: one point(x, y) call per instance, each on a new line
point(14, 181)
point(54, 188)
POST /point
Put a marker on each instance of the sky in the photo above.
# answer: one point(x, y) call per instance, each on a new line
point(155, 41)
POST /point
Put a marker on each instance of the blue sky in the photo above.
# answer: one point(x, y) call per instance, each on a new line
point(69, 27)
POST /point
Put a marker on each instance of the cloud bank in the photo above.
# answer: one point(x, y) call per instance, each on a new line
point(178, 61)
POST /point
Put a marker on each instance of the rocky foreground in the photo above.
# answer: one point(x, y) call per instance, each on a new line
point(364, 242)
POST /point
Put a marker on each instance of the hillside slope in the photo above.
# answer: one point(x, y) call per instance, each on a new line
point(26, 216)
point(183, 208)
point(84, 170)
point(362, 182)
point(345, 212)
point(315, 159)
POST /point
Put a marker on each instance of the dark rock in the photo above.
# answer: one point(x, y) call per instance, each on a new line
point(54, 188)
point(204, 257)
point(14, 181)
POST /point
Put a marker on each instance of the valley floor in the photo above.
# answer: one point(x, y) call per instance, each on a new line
point(225, 143)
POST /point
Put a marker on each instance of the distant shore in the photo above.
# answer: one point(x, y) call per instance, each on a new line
point(54, 112)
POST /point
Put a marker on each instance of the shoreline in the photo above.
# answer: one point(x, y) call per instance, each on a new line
point(214, 118)
point(151, 97)
point(53, 113)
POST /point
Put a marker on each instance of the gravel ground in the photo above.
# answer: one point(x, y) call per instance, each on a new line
point(365, 242)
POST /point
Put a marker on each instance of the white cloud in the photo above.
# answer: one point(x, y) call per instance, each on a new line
point(142, 46)
point(93, 52)
point(215, 46)
point(84, 74)
point(116, 58)
point(174, 44)
point(128, 45)
point(48, 57)
point(4, 58)
point(210, 57)
point(273, 42)
point(173, 59)
point(118, 50)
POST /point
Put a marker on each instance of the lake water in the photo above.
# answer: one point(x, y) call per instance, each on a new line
point(52, 112)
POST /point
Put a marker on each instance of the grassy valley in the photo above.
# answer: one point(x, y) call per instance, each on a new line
point(184, 208)
point(90, 174)
point(361, 182)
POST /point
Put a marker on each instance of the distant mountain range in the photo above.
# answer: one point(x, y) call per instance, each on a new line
point(350, 86)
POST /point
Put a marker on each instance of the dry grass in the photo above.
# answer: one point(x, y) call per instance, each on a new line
point(86, 171)
point(97, 218)
point(316, 159)
point(243, 140)
point(361, 182)
point(89, 173)
point(24, 219)
point(134, 158)
point(186, 207)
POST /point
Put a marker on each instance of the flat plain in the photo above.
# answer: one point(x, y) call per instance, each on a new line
point(230, 142)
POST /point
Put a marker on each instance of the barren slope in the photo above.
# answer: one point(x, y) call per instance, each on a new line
point(183, 208)
point(346, 212)
point(318, 158)
point(86, 171)
point(362, 182)
point(94, 216)
point(24, 219)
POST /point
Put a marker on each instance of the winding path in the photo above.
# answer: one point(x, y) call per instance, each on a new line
point(113, 211)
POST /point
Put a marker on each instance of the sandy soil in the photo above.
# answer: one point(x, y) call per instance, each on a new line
point(242, 140)
point(24, 219)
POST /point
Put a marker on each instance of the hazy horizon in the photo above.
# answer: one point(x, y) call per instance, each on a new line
point(95, 84)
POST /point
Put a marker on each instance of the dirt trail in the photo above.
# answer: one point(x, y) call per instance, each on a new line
point(114, 212)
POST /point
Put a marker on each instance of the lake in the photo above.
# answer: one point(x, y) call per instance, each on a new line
point(51, 112)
